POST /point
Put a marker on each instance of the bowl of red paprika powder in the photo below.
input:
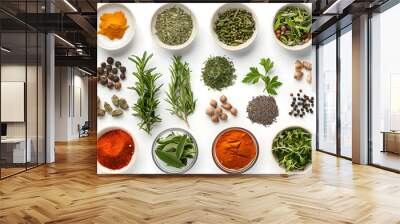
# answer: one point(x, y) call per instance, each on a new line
point(115, 149)
point(235, 150)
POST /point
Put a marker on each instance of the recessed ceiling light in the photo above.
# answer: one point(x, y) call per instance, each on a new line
point(70, 5)
point(5, 50)
point(64, 40)
point(84, 71)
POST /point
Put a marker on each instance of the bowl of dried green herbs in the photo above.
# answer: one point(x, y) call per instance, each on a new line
point(292, 26)
point(173, 26)
point(234, 26)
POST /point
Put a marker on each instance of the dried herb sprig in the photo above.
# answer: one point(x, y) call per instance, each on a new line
point(218, 72)
point(234, 26)
point(180, 94)
point(271, 84)
point(147, 90)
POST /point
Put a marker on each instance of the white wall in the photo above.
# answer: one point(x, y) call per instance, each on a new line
point(69, 85)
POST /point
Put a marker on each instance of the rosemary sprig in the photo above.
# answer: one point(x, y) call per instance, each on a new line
point(147, 90)
point(180, 95)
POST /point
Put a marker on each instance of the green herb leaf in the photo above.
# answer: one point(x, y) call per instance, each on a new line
point(169, 158)
point(270, 85)
point(180, 147)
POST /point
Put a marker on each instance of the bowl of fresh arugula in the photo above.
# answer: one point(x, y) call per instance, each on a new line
point(292, 149)
point(292, 26)
point(175, 151)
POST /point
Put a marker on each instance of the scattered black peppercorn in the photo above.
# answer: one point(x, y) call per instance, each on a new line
point(108, 74)
point(301, 105)
point(108, 68)
point(110, 60)
point(122, 69)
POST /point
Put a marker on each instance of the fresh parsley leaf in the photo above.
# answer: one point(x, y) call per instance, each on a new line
point(271, 84)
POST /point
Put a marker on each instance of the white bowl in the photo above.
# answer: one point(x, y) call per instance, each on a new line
point(297, 47)
point(104, 170)
point(153, 25)
point(103, 41)
point(225, 7)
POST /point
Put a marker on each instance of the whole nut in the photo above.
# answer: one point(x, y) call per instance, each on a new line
point(224, 116)
point(214, 118)
point(227, 106)
point(213, 103)
point(218, 110)
point(223, 99)
point(234, 111)
point(210, 111)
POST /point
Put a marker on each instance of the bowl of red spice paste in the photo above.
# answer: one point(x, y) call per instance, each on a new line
point(235, 150)
point(115, 149)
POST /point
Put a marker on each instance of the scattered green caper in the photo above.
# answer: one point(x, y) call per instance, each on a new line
point(117, 113)
point(108, 107)
point(101, 112)
point(115, 100)
point(117, 64)
point(123, 104)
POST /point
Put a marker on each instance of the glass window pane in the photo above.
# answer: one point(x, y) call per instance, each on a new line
point(13, 86)
point(346, 94)
point(327, 96)
point(385, 89)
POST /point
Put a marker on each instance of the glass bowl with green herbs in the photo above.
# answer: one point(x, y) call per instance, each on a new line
point(292, 26)
point(292, 149)
point(174, 151)
point(173, 26)
point(234, 26)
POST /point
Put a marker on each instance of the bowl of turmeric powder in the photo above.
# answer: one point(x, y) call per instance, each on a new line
point(235, 150)
point(115, 26)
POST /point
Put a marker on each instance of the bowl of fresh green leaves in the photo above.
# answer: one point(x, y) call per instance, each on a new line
point(292, 148)
point(292, 26)
point(234, 26)
point(173, 26)
point(175, 151)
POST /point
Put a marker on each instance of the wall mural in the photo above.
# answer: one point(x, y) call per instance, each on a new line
point(204, 88)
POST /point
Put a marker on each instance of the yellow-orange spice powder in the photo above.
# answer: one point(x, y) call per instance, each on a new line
point(113, 25)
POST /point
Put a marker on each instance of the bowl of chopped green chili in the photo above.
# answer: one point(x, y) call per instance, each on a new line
point(234, 26)
point(173, 26)
point(292, 26)
point(174, 151)
point(292, 148)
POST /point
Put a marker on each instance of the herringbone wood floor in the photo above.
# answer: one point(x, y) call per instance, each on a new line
point(69, 191)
